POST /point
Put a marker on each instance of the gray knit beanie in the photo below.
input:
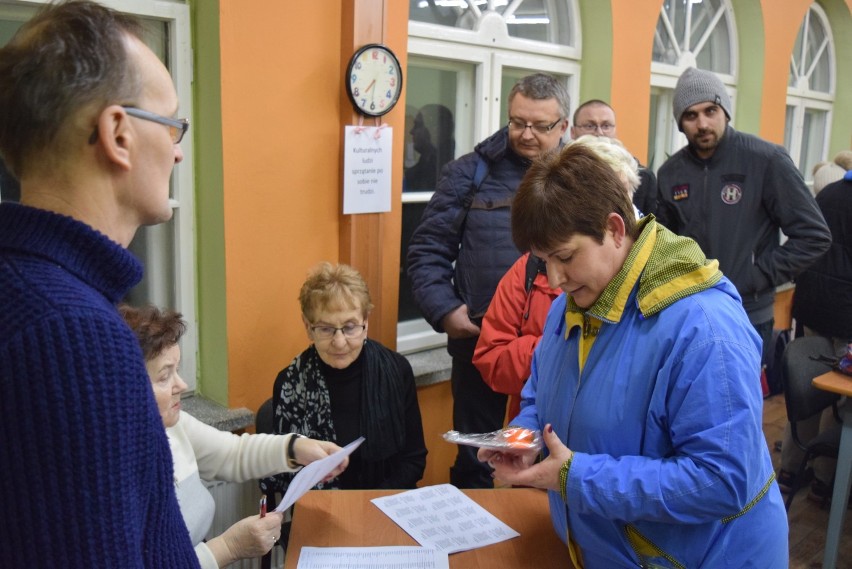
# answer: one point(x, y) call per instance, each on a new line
point(698, 86)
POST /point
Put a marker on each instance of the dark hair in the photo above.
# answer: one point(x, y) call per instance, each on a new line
point(155, 329)
point(334, 287)
point(590, 103)
point(68, 58)
point(567, 193)
point(540, 86)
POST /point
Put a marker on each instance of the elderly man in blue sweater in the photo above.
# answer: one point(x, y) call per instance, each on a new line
point(87, 128)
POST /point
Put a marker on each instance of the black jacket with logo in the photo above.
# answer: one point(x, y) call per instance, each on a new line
point(733, 205)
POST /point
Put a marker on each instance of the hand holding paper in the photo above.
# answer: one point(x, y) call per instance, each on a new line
point(314, 473)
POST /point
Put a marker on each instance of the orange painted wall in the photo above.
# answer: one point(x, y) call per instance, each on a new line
point(281, 146)
point(781, 19)
point(633, 24)
point(282, 67)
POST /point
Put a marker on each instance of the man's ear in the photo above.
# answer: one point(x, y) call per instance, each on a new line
point(115, 136)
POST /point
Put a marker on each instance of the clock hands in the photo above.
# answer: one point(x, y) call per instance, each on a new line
point(370, 86)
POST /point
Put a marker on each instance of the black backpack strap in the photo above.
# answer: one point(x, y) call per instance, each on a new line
point(535, 266)
point(478, 177)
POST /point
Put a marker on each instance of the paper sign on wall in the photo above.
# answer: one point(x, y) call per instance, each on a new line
point(367, 169)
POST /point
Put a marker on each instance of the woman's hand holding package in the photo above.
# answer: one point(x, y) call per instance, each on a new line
point(308, 450)
point(520, 469)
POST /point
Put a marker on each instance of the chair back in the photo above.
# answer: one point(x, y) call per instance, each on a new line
point(805, 358)
point(263, 420)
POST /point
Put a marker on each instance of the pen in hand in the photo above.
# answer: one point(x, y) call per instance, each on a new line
point(263, 507)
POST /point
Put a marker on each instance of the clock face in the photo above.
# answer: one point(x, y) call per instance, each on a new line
point(374, 80)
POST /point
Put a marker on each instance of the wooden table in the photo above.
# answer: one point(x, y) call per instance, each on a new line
point(347, 518)
point(836, 382)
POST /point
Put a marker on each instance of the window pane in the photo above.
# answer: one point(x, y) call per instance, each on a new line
point(411, 214)
point(431, 126)
point(690, 22)
point(789, 126)
point(155, 246)
point(810, 68)
point(813, 136)
point(539, 20)
point(818, 51)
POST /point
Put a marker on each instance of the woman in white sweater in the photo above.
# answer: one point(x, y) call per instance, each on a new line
point(203, 453)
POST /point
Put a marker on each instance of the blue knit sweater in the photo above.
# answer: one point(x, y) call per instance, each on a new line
point(86, 476)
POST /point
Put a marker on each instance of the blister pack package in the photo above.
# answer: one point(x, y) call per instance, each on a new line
point(513, 438)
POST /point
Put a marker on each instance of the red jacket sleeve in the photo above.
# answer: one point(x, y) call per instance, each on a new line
point(504, 351)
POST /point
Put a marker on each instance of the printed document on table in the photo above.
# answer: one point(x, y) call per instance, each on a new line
point(391, 557)
point(313, 473)
point(444, 518)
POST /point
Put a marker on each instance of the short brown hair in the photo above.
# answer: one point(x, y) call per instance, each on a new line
point(568, 192)
point(69, 57)
point(156, 330)
point(334, 287)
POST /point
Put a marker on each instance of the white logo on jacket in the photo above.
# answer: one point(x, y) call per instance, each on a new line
point(731, 194)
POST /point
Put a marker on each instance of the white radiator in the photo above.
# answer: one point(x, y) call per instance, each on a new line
point(233, 503)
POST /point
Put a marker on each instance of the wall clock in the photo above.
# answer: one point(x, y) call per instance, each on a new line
point(374, 80)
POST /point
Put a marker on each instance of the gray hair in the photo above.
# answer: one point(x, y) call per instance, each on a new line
point(540, 86)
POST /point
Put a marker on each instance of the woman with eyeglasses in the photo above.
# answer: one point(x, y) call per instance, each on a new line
point(346, 385)
point(202, 453)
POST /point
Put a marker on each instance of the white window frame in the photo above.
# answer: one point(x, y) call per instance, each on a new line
point(802, 98)
point(667, 138)
point(490, 49)
point(177, 16)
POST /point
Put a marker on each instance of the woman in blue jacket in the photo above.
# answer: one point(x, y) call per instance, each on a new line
point(645, 385)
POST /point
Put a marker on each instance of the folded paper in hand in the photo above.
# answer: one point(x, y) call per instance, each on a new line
point(313, 473)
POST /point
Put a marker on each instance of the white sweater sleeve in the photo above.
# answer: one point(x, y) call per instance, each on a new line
point(205, 557)
point(235, 458)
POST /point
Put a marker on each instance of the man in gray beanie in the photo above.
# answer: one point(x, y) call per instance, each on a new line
point(732, 192)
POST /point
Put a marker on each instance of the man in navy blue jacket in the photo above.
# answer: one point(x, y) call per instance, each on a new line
point(463, 246)
point(87, 129)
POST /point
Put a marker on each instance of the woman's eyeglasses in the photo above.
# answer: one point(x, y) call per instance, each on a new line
point(348, 330)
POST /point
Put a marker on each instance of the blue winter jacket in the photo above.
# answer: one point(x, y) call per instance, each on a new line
point(458, 255)
point(671, 468)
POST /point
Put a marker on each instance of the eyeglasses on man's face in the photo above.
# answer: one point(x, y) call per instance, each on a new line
point(177, 127)
point(590, 127)
point(328, 332)
point(520, 126)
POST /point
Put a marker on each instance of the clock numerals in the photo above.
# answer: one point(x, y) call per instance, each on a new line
point(374, 72)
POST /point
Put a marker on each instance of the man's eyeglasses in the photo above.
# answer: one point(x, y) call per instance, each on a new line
point(328, 332)
point(177, 127)
point(591, 127)
point(520, 126)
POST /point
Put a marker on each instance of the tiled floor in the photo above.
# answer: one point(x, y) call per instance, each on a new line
point(808, 521)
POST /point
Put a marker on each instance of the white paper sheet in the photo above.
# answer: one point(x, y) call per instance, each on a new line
point(442, 517)
point(313, 473)
point(396, 557)
point(367, 153)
